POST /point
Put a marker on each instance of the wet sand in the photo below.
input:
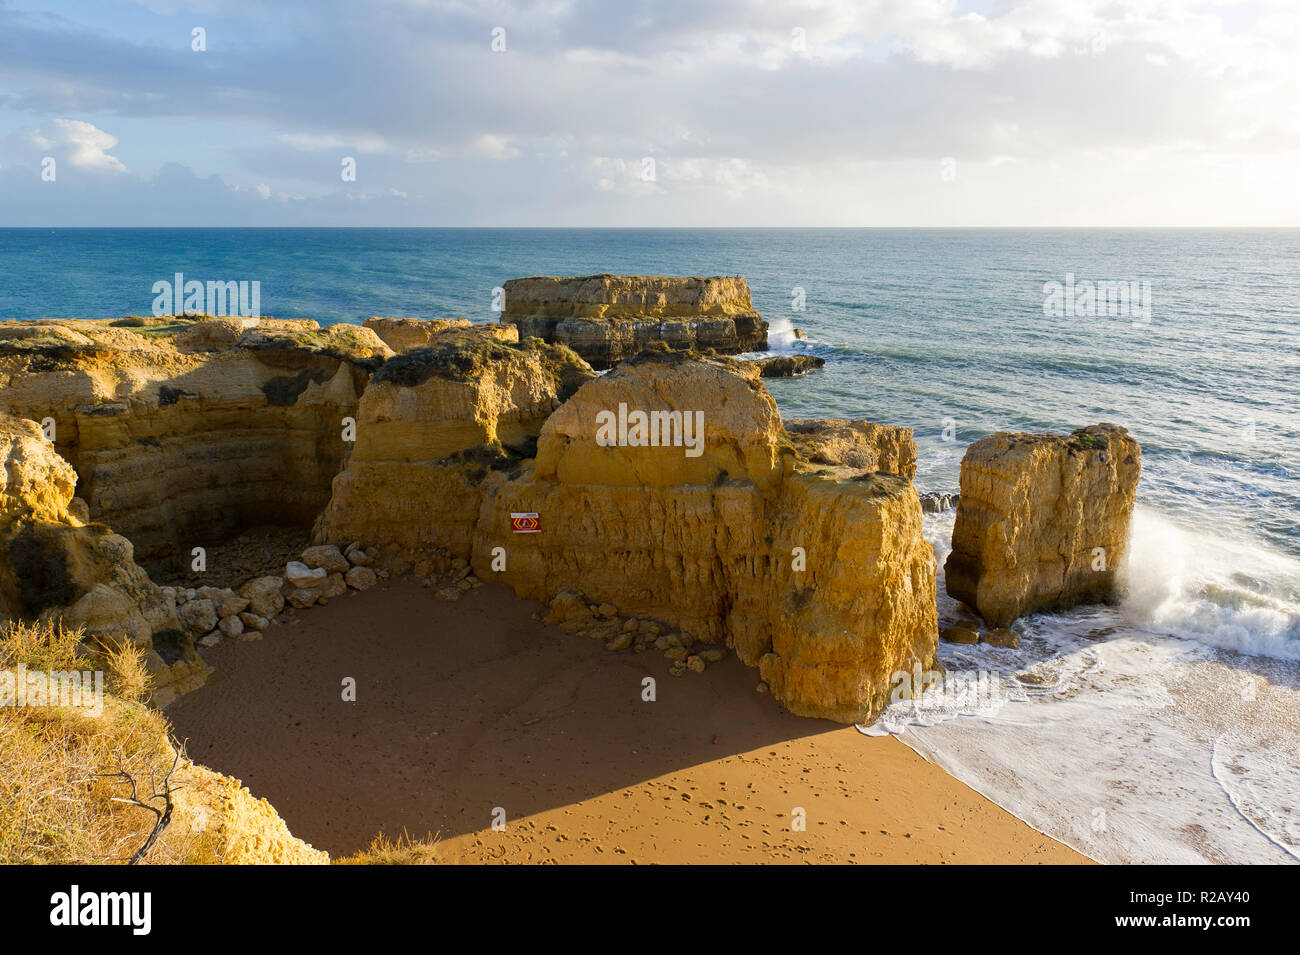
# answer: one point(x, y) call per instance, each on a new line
point(471, 711)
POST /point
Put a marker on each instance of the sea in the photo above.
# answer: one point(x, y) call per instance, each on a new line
point(1163, 729)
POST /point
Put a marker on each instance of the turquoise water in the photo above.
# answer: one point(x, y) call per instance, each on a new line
point(940, 330)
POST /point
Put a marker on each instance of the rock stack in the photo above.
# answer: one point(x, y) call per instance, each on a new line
point(1042, 521)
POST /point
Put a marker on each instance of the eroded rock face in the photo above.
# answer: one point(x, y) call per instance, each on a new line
point(1042, 521)
point(606, 318)
point(55, 566)
point(430, 426)
point(826, 585)
point(854, 444)
point(185, 445)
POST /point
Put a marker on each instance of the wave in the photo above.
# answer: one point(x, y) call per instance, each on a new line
point(1228, 592)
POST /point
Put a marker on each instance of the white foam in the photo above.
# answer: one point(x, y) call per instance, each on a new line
point(1127, 732)
point(1216, 588)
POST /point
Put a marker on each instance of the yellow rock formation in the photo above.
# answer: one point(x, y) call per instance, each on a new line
point(606, 318)
point(1043, 521)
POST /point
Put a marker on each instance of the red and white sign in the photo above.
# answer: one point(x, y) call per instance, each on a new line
point(525, 523)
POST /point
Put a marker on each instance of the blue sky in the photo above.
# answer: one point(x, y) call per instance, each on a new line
point(637, 113)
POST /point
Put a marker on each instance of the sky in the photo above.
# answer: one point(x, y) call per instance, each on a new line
point(636, 113)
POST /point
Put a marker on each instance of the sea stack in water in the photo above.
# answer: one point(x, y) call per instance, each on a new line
point(606, 318)
point(1042, 521)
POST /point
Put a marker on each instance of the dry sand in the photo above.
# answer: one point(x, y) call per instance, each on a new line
point(463, 707)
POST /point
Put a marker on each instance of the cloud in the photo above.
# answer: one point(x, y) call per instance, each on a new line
point(79, 143)
point(736, 100)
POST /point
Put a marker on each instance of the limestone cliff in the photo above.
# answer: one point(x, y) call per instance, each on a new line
point(429, 426)
point(1042, 521)
point(606, 318)
point(54, 565)
point(186, 433)
point(826, 585)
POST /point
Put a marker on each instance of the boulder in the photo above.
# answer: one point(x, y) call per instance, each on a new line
point(959, 634)
point(230, 604)
point(360, 578)
point(200, 615)
point(1042, 521)
point(300, 575)
point(327, 557)
point(1002, 637)
point(264, 596)
point(788, 366)
point(231, 626)
point(357, 556)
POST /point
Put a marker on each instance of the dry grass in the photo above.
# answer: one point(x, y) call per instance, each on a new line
point(401, 851)
point(58, 764)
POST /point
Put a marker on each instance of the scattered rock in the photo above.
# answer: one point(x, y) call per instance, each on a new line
point(264, 596)
point(1003, 637)
point(199, 616)
point(326, 556)
point(254, 621)
point(788, 366)
point(231, 626)
point(300, 575)
point(713, 654)
point(621, 642)
point(695, 663)
point(230, 604)
point(957, 634)
point(357, 557)
point(568, 606)
point(933, 502)
point(302, 597)
point(361, 578)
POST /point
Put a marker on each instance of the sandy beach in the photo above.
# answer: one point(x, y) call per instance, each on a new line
point(474, 706)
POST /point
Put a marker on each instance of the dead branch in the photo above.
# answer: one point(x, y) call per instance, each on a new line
point(163, 816)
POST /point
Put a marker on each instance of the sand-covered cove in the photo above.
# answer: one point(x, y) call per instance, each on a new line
point(472, 707)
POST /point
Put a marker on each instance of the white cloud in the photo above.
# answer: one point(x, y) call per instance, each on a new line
point(495, 146)
point(82, 144)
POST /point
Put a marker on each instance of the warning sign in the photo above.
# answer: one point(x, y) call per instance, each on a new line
point(525, 523)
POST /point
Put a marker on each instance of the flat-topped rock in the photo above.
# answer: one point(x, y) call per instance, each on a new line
point(1042, 521)
point(606, 318)
point(788, 366)
point(859, 444)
